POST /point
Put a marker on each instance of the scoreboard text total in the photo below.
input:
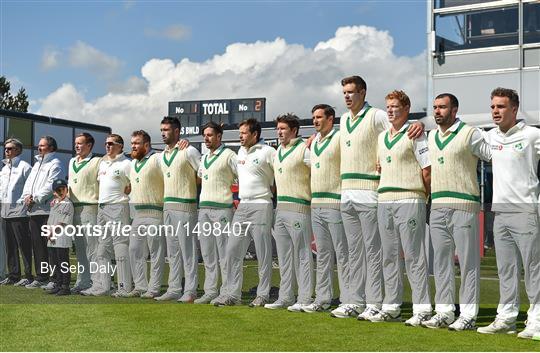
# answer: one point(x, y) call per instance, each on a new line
point(194, 114)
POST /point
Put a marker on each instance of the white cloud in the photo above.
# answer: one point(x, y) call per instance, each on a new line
point(132, 85)
point(292, 77)
point(83, 55)
point(176, 32)
point(50, 59)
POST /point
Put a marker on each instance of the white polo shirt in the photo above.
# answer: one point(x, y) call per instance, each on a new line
point(113, 178)
point(256, 172)
point(515, 157)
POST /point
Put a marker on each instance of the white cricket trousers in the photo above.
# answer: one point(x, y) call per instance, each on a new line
point(86, 245)
point(181, 251)
point(517, 246)
point(402, 227)
point(455, 231)
point(292, 232)
point(255, 220)
point(113, 244)
point(331, 248)
point(214, 246)
point(143, 241)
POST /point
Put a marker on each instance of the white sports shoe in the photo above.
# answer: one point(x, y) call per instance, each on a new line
point(463, 324)
point(149, 295)
point(530, 330)
point(121, 293)
point(22, 282)
point(278, 304)
point(314, 307)
point(344, 311)
point(296, 308)
point(383, 316)
point(48, 286)
point(417, 319)
point(167, 296)
point(498, 326)
point(367, 314)
point(439, 320)
point(205, 299)
point(35, 284)
point(136, 293)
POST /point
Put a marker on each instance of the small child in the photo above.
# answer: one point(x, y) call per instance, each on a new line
point(59, 243)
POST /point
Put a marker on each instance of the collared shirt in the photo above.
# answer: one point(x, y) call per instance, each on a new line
point(39, 183)
point(233, 161)
point(113, 179)
point(515, 157)
point(12, 179)
point(192, 154)
point(256, 172)
point(478, 144)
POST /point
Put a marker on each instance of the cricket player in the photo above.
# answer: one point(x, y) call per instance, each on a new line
point(292, 227)
point(84, 192)
point(515, 149)
point(179, 168)
point(147, 197)
point(454, 150)
point(325, 214)
point(218, 171)
point(112, 216)
point(403, 189)
point(359, 128)
point(254, 216)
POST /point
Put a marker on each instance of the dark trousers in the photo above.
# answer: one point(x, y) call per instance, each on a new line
point(39, 246)
point(59, 257)
point(18, 241)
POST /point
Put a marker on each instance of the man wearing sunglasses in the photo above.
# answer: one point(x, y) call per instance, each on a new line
point(113, 213)
point(13, 176)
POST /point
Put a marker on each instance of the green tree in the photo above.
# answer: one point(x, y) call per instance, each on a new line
point(18, 102)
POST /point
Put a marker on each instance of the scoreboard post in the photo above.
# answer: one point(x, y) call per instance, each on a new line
point(194, 114)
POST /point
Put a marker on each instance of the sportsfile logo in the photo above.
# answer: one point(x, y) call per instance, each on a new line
point(117, 229)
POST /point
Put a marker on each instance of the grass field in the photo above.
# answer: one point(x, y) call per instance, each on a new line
point(33, 321)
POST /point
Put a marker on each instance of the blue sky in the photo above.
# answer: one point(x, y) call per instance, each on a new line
point(122, 29)
point(96, 48)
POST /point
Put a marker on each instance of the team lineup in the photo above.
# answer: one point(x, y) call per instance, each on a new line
point(361, 190)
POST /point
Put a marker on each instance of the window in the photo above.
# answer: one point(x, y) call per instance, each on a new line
point(62, 134)
point(531, 23)
point(20, 129)
point(477, 29)
point(439, 4)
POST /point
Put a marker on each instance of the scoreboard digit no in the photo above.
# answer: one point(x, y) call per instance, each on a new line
point(194, 114)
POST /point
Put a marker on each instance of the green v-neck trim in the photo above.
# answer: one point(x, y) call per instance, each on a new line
point(442, 144)
point(282, 157)
point(325, 144)
point(350, 128)
point(213, 159)
point(81, 165)
point(140, 164)
point(169, 161)
point(389, 144)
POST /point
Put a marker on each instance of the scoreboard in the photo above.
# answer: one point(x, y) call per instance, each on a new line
point(194, 114)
